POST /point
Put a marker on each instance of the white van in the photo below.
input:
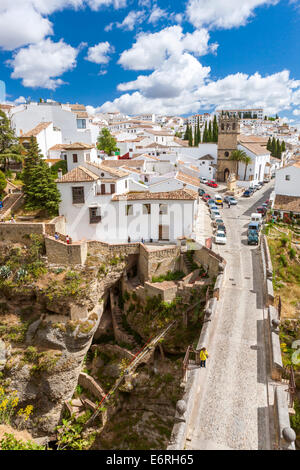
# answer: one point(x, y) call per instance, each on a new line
point(255, 217)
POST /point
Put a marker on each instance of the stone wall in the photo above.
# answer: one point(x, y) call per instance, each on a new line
point(19, 232)
point(61, 253)
point(166, 290)
point(156, 262)
point(209, 260)
point(106, 250)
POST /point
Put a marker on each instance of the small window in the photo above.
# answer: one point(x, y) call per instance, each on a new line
point(78, 195)
point(88, 157)
point(147, 209)
point(163, 209)
point(112, 188)
point(81, 124)
point(95, 215)
point(287, 177)
point(102, 188)
point(126, 184)
point(75, 158)
point(226, 154)
point(129, 209)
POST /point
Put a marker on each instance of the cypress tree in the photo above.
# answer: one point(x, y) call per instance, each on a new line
point(215, 129)
point(210, 134)
point(283, 147)
point(269, 145)
point(186, 135)
point(274, 147)
point(10, 147)
point(205, 133)
point(190, 137)
point(278, 149)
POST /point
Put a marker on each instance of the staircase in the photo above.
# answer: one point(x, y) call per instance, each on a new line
point(119, 331)
point(187, 262)
point(8, 202)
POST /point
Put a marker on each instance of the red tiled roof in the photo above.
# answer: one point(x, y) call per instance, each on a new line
point(79, 174)
point(36, 130)
point(180, 194)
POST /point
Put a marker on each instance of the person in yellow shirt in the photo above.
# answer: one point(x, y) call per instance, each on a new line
point(203, 357)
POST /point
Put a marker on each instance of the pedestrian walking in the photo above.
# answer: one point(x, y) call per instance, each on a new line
point(56, 236)
point(229, 204)
point(68, 239)
point(222, 205)
point(129, 239)
point(203, 357)
point(1, 204)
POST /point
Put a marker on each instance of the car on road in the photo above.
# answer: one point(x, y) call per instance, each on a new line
point(206, 197)
point(218, 221)
point(211, 202)
point(247, 193)
point(253, 237)
point(220, 238)
point(203, 180)
point(257, 186)
point(218, 200)
point(221, 228)
point(256, 217)
point(230, 199)
point(266, 180)
point(201, 192)
point(212, 184)
point(253, 226)
point(214, 215)
point(262, 210)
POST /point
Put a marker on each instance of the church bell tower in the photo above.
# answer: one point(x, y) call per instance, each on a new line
point(229, 131)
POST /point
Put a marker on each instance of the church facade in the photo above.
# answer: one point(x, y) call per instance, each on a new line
point(229, 131)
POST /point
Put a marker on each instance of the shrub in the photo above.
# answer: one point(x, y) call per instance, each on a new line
point(9, 442)
point(284, 240)
point(283, 260)
point(292, 253)
point(5, 272)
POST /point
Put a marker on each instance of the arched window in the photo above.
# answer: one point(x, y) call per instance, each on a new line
point(222, 127)
point(226, 154)
point(228, 127)
point(233, 126)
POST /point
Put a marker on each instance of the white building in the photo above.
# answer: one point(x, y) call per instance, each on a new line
point(255, 113)
point(75, 125)
point(46, 136)
point(287, 190)
point(102, 203)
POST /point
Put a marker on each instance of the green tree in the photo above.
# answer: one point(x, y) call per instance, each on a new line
point(39, 182)
point(106, 142)
point(62, 165)
point(210, 134)
point(215, 130)
point(186, 134)
point(274, 147)
point(283, 147)
point(269, 145)
point(238, 156)
point(190, 139)
point(3, 183)
point(278, 149)
point(205, 133)
point(246, 160)
point(10, 147)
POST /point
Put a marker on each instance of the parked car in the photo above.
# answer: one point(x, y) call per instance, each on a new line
point(246, 193)
point(266, 180)
point(251, 190)
point(214, 209)
point(212, 184)
point(257, 186)
point(253, 226)
point(261, 210)
point(206, 197)
point(214, 215)
point(232, 200)
point(253, 237)
point(256, 217)
point(201, 192)
point(264, 204)
point(220, 238)
point(218, 200)
point(211, 202)
point(221, 228)
point(217, 222)
point(203, 180)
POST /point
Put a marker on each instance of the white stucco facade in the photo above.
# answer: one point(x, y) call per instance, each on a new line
point(287, 180)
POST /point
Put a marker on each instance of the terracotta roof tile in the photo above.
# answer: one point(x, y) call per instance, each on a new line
point(37, 129)
point(256, 149)
point(112, 171)
point(79, 174)
point(184, 178)
point(180, 194)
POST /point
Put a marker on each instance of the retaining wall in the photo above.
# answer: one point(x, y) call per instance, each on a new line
point(59, 252)
point(20, 232)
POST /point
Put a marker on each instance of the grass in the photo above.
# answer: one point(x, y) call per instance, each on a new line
point(176, 276)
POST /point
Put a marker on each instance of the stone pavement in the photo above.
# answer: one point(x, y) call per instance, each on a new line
point(231, 410)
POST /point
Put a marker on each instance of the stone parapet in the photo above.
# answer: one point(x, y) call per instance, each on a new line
point(285, 435)
point(61, 253)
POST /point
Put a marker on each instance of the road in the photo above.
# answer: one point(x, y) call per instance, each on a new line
point(231, 410)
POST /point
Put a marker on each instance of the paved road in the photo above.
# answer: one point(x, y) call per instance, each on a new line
point(232, 406)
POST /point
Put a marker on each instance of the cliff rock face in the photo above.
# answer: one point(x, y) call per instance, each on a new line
point(47, 324)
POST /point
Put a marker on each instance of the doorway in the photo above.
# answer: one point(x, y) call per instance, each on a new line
point(226, 175)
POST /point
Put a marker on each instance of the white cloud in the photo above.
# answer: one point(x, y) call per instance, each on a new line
point(273, 92)
point(296, 112)
point(157, 14)
point(24, 22)
point(223, 13)
point(99, 53)
point(151, 49)
point(40, 64)
point(174, 76)
point(131, 19)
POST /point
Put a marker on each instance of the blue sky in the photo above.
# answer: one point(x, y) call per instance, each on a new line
point(170, 57)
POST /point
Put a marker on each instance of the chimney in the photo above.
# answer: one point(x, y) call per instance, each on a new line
point(59, 174)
